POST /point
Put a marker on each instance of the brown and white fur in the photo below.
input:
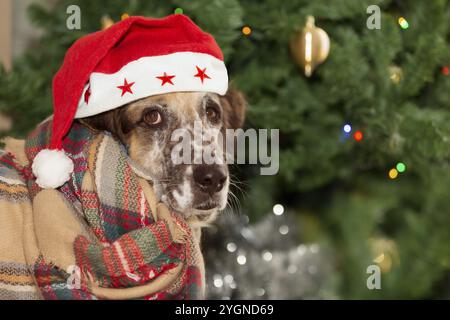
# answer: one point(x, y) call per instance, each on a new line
point(145, 128)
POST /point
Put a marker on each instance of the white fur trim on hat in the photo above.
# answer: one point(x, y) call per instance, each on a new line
point(143, 73)
point(52, 168)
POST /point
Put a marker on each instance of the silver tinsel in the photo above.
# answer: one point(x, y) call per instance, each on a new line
point(262, 261)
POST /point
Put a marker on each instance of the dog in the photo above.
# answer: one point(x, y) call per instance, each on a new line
point(121, 210)
point(145, 127)
point(196, 192)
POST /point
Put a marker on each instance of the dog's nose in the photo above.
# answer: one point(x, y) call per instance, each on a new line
point(209, 178)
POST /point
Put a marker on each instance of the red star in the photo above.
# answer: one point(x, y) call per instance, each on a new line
point(166, 79)
point(87, 95)
point(126, 87)
point(201, 74)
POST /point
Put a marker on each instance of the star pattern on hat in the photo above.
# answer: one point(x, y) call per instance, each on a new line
point(126, 87)
point(87, 95)
point(166, 79)
point(201, 74)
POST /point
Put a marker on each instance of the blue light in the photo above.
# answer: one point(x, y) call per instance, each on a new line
point(347, 128)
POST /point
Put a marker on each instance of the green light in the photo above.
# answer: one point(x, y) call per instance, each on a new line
point(401, 167)
point(178, 11)
point(403, 23)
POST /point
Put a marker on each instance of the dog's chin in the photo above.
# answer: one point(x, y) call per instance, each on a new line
point(204, 212)
point(206, 216)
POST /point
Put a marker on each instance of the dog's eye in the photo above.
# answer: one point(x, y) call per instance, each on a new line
point(152, 117)
point(212, 113)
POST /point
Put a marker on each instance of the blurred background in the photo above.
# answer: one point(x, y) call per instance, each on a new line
point(362, 101)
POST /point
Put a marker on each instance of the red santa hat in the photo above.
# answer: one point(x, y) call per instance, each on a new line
point(133, 59)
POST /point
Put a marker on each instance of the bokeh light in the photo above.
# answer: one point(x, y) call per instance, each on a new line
point(284, 229)
point(403, 23)
point(347, 128)
point(393, 173)
point(267, 255)
point(278, 209)
point(246, 30)
point(241, 259)
point(401, 167)
point(231, 247)
point(358, 135)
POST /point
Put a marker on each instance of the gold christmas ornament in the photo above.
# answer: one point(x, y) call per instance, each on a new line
point(395, 74)
point(310, 46)
point(106, 22)
point(385, 253)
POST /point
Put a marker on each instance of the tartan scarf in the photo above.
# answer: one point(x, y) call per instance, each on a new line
point(123, 243)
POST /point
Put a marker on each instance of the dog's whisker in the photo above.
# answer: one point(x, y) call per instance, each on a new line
point(235, 184)
point(235, 181)
point(233, 202)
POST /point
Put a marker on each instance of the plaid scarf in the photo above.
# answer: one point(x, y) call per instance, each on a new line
point(107, 221)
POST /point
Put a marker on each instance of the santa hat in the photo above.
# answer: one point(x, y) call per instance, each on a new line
point(133, 59)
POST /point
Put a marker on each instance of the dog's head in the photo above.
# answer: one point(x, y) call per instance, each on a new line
point(147, 126)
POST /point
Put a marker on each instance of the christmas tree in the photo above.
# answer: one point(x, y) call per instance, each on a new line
point(364, 141)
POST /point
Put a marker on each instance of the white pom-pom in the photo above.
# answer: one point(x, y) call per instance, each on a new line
point(52, 168)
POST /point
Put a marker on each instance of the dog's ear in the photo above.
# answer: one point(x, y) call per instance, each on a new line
point(114, 121)
point(234, 105)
